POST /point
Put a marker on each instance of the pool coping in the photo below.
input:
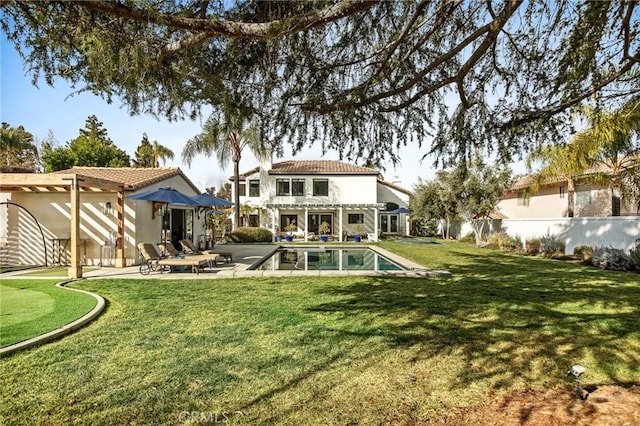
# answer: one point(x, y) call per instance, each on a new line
point(413, 270)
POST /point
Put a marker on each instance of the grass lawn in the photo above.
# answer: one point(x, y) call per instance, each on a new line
point(331, 350)
point(31, 307)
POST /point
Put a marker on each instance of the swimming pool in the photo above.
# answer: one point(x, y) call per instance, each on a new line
point(327, 259)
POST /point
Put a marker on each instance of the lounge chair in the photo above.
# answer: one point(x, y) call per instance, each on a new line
point(150, 257)
point(196, 262)
point(169, 249)
point(153, 261)
point(190, 247)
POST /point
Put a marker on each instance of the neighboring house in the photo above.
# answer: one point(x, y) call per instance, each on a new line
point(308, 193)
point(532, 215)
point(37, 214)
point(590, 200)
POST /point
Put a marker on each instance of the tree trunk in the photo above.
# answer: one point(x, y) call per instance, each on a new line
point(571, 190)
point(615, 201)
point(615, 195)
point(236, 189)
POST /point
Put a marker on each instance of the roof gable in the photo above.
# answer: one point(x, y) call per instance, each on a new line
point(131, 177)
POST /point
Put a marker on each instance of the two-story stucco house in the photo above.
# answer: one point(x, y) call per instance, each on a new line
point(308, 193)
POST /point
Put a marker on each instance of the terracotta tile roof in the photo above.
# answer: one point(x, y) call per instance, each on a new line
point(132, 178)
point(313, 167)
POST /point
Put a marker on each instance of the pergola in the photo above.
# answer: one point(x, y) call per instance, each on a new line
point(306, 207)
point(74, 184)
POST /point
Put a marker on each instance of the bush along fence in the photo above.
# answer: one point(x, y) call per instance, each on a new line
point(607, 243)
point(620, 232)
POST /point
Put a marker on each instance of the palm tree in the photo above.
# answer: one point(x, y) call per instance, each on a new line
point(610, 150)
point(226, 137)
point(558, 163)
point(161, 153)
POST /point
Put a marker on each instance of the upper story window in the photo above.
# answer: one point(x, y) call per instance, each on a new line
point(254, 188)
point(242, 189)
point(523, 199)
point(283, 187)
point(321, 187)
point(297, 187)
point(290, 187)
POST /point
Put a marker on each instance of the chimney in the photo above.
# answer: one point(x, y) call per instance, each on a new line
point(266, 162)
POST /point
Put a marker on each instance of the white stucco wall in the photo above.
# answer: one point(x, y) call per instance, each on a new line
point(52, 211)
point(618, 232)
point(591, 200)
point(350, 189)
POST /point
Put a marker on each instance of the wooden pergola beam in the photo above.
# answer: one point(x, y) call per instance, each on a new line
point(74, 184)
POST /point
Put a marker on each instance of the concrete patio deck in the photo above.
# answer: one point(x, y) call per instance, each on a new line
point(247, 255)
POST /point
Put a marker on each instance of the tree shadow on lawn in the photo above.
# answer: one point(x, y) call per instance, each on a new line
point(510, 320)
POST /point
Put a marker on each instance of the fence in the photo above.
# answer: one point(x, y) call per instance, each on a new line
point(619, 232)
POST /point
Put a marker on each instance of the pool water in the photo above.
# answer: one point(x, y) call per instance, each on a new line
point(329, 259)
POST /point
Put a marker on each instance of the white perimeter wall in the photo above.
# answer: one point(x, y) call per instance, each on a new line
point(618, 232)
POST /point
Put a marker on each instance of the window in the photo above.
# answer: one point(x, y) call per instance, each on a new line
point(583, 195)
point(523, 199)
point(242, 189)
point(354, 218)
point(321, 187)
point(297, 187)
point(254, 220)
point(563, 191)
point(282, 187)
point(286, 220)
point(254, 188)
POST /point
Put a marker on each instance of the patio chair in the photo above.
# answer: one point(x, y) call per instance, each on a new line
point(196, 262)
point(190, 247)
point(150, 257)
point(169, 249)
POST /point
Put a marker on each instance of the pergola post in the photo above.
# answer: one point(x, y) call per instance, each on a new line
point(121, 261)
point(75, 269)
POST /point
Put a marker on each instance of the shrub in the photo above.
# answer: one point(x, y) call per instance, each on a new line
point(510, 244)
point(611, 258)
point(551, 245)
point(583, 252)
point(251, 235)
point(493, 240)
point(634, 254)
point(532, 247)
point(469, 238)
point(503, 241)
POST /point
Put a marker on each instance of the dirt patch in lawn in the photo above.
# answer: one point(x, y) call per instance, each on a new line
point(603, 405)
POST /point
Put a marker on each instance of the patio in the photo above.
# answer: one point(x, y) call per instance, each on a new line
point(244, 257)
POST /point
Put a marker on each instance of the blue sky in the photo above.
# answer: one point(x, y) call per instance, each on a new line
point(43, 108)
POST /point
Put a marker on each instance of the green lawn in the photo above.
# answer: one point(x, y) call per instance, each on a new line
point(338, 350)
point(31, 307)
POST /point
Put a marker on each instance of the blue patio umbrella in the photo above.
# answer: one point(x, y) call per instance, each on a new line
point(401, 210)
point(208, 200)
point(167, 196)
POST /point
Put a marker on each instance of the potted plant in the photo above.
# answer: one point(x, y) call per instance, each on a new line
point(278, 236)
point(323, 229)
point(290, 228)
point(359, 230)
